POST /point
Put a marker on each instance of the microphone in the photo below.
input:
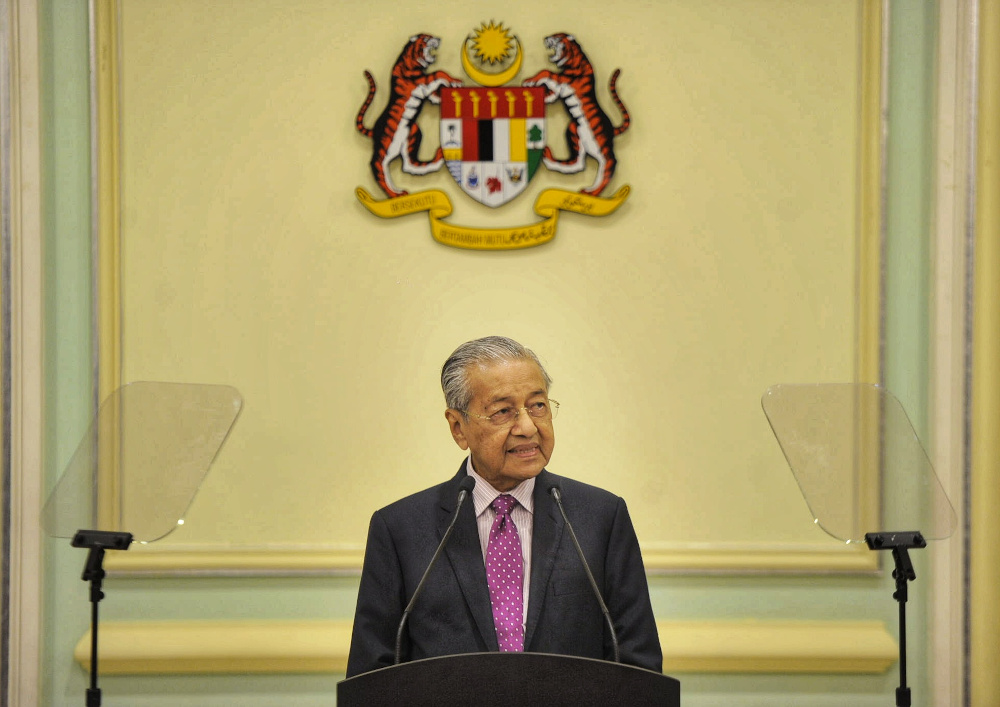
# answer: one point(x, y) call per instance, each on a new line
point(465, 488)
point(557, 495)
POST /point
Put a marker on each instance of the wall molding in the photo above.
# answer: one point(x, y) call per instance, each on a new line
point(951, 338)
point(832, 558)
point(22, 344)
point(280, 647)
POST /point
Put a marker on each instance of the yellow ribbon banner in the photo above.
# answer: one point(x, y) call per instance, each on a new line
point(548, 205)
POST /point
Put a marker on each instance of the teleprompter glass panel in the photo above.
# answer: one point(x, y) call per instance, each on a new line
point(142, 460)
point(857, 460)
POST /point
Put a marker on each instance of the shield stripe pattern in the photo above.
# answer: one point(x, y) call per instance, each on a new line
point(493, 139)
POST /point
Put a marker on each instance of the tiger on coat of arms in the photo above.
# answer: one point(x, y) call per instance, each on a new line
point(590, 131)
point(395, 134)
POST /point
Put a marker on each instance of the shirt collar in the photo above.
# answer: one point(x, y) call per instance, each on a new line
point(483, 494)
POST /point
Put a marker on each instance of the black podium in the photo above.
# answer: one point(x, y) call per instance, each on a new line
point(510, 679)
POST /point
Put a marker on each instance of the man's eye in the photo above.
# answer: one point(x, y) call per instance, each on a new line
point(501, 412)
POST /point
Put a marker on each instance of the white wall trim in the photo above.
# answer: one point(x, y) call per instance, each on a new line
point(950, 342)
point(21, 18)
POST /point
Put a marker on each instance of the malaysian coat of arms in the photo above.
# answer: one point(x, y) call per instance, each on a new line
point(493, 136)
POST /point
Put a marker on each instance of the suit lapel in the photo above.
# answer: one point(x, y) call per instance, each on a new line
point(548, 528)
point(466, 557)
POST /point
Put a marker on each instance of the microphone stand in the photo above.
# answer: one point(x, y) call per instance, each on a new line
point(97, 541)
point(465, 488)
point(900, 544)
point(556, 493)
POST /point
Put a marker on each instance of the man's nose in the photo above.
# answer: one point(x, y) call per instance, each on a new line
point(524, 425)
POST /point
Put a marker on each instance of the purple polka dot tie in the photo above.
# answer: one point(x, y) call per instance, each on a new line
point(505, 577)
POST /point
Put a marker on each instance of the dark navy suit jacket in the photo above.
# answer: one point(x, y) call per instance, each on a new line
point(453, 612)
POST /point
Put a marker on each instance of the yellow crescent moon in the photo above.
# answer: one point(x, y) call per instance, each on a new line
point(481, 77)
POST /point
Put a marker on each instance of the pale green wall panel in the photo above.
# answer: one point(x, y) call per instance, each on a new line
point(68, 365)
point(909, 176)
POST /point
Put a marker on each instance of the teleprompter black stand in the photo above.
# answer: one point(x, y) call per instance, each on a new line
point(97, 541)
point(900, 544)
point(505, 679)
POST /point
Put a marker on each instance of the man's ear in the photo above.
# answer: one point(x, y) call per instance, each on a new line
point(456, 422)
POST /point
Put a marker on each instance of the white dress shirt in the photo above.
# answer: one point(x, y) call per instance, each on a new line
point(522, 514)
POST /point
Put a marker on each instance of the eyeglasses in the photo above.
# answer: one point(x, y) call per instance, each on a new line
point(542, 410)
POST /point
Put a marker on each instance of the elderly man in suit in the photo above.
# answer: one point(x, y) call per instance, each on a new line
point(509, 578)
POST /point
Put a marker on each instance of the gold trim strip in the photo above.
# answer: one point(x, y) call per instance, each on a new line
point(108, 256)
point(220, 562)
point(270, 647)
point(862, 647)
point(146, 562)
point(868, 347)
point(109, 305)
point(869, 313)
point(984, 606)
point(793, 560)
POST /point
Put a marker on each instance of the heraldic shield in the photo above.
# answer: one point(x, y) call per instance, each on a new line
point(492, 139)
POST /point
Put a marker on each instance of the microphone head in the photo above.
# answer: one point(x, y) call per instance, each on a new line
point(555, 492)
point(468, 483)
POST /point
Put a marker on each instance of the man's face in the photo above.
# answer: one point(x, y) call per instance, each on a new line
point(505, 455)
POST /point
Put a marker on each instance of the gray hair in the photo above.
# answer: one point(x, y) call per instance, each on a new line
point(490, 349)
